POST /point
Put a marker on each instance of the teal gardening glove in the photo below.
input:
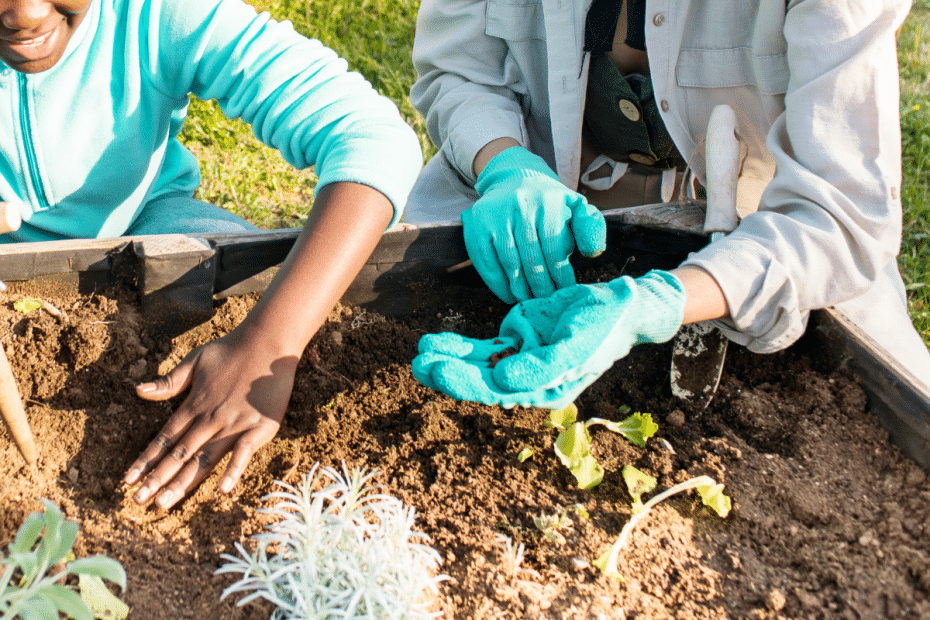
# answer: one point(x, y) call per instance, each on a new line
point(521, 231)
point(565, 342)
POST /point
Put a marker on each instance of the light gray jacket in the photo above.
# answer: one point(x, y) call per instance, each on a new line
point(815, 87)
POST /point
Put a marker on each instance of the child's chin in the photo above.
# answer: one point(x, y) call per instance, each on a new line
point(32, 66)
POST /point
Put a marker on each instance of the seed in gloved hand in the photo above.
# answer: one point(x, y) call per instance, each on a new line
point(496, 357)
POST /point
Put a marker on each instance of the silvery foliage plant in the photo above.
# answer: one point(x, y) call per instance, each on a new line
point(344, 551)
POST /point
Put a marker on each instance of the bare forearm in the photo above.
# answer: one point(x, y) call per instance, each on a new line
point(704, 297)
point(489, 150)
point(344, 226)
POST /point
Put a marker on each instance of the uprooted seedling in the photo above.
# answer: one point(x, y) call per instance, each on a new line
point(638, 483)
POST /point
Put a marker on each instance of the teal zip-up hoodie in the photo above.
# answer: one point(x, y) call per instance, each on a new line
point(87, 143)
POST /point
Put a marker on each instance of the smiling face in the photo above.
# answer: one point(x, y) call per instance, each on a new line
point(35, 33)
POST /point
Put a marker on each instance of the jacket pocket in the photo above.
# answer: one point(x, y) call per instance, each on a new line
point(728, 68)
point(515, 21)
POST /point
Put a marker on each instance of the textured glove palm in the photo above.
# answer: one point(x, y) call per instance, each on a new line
point(521, 231)
point(565, 342)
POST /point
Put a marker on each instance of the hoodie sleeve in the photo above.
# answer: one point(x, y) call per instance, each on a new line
point(298, 95)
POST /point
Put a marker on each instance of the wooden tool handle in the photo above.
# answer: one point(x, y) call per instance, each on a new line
point(10, 217)
point(11, 408)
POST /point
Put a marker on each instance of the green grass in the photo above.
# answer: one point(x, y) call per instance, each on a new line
point(246, 177)
point(914, 62)
point(376, 37)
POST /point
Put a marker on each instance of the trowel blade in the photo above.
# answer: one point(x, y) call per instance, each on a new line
point(698, 353)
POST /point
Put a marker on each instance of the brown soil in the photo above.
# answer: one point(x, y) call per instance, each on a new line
point(829, 520)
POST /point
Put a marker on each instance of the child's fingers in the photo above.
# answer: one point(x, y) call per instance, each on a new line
point(243, 450)
point(535, 257)
point(169, 385)
point(192, 472)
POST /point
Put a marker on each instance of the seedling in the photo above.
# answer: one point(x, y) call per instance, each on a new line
point(512, 557)
point(550, 525)
point(573, 445)
point(343, 551)
point(711, 495)
point(27, 591)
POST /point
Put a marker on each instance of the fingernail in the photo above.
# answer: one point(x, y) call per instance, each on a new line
point(131, 476)
point(146, 388)
point(165, 499)
point(226, 485)
point(142, 495)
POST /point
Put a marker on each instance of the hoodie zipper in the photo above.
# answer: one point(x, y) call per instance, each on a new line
point(26, 128)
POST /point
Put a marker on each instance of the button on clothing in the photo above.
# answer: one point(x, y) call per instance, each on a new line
point(820, 228)
point(622, 129)
point(629, 110)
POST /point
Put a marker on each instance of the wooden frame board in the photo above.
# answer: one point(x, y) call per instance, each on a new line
point(178, 277)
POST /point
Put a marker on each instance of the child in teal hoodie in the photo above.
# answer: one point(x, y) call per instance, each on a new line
point(93, 94)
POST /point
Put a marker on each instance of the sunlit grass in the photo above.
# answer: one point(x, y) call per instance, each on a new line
point(914, 61)
point(241, 174)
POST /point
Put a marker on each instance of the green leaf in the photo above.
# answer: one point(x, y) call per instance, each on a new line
point(67, 601)
point(638, 483)
point(563, 418)
point(67, 535)
point(28, 533)
point(609, 568)
point(712, 496)
point(100, 566)
point(39, 608)
point(573, 444)
point(27, 305)
point(637, 428)
point(588, 472)
point(102, 603)
point(573, 447)
point(525, 454)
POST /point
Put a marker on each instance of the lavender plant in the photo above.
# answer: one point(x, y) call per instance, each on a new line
point(344, 551)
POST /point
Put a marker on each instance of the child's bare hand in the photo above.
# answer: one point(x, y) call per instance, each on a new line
point(238, 397)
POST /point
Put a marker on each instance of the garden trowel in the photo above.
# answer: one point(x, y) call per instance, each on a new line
point(699, 349)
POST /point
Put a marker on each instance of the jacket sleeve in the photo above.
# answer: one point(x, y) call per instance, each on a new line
point(830, 220)
point(468, 88)
point(297, 95)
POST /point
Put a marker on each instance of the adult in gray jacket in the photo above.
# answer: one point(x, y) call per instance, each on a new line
point(611, 98)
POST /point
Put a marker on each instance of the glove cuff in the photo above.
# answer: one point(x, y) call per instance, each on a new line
point(512, 163)
point(663, 294)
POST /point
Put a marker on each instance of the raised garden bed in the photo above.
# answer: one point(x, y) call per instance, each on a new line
point(829, 516)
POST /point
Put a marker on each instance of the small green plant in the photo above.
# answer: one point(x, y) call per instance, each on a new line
point(550, 525)
point(512, 556)
point(573, 445)
point(343, 551)
point(28, 592)
point(640, 483)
